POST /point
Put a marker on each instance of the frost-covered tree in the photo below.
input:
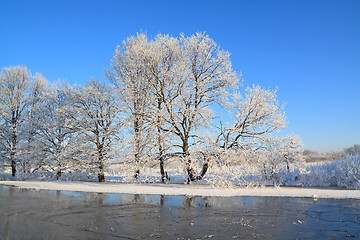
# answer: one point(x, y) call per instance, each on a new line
point(209, 75)
point(96, 117)
point(30, 155)
point(279, 151)
point(257, 115)
point(58, 137)
point(14, 84)
point(163, 61)
point(353, 150)
point(134, 92)
point(251, 138)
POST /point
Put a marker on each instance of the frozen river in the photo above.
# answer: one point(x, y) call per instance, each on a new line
point(46, 214)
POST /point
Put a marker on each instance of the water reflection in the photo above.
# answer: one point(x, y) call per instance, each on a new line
point(31, 214)
point(165, 200)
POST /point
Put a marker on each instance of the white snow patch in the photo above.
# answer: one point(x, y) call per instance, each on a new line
point(187, 190)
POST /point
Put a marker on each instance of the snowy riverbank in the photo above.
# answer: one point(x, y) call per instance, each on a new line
point(188, 190)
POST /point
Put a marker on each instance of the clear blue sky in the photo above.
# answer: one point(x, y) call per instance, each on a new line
point(309, 49)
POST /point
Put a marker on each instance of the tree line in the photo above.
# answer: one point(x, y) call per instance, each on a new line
point(163, 100)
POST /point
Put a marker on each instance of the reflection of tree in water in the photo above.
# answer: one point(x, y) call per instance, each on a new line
point(162, 200)
point(100, 198)
point(136, 198)
point(202, 202)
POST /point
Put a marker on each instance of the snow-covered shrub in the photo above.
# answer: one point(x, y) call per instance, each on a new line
point(338, 173)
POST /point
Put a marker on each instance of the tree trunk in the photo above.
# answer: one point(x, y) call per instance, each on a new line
point(266, 178)
point(101, 177)
point(13, 168)
point(160, 145)
point(271, 175)
point(161, 157)
point(101, 174)
point(193, 176)
point(137, 174)
point(162, 170)
point(204, 169)
point(137, 148)
point(58, 175)
point(13, 151)
point(288, 165)
point(190, 171)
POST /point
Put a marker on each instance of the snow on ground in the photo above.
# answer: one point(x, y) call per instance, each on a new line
point(187, 190)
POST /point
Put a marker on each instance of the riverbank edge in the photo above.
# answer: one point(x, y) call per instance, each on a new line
point(187, 190)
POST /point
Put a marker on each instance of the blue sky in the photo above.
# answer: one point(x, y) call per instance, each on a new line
point(309, 49)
